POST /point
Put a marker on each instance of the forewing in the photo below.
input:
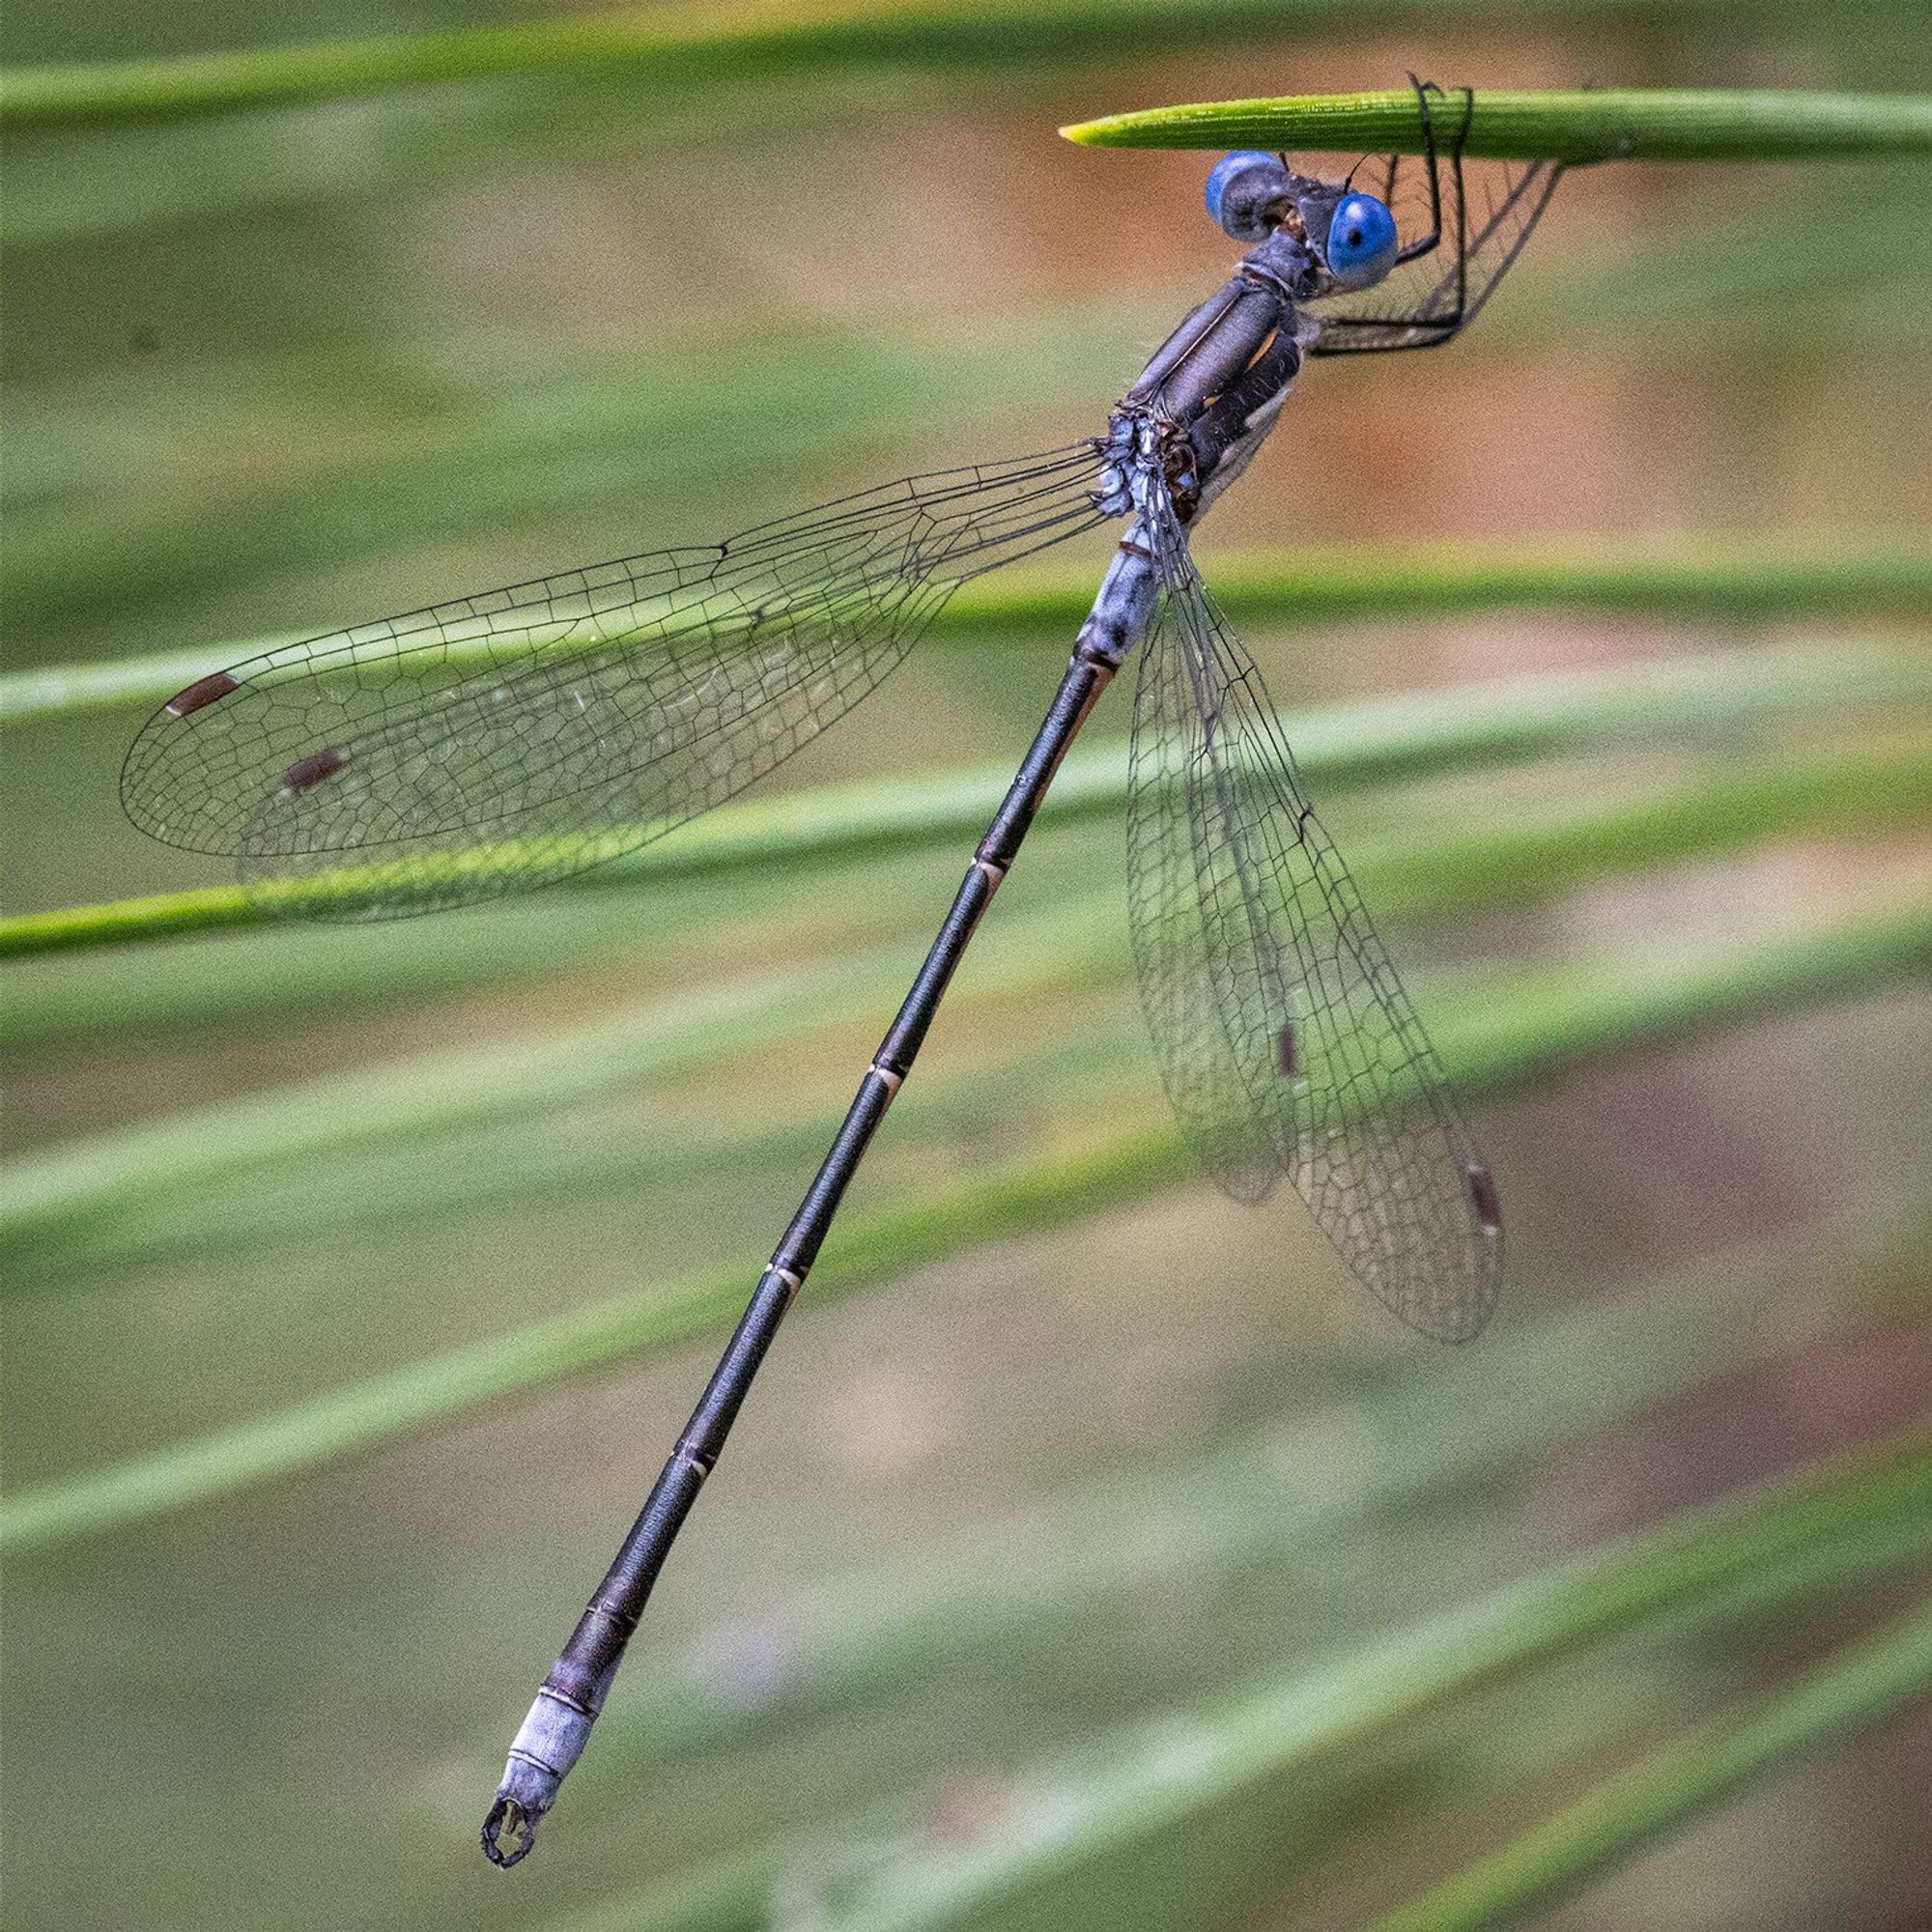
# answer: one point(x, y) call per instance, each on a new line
point(503, 741)
point(1499, 204)
point(1216, 975)
point(1286, 1040)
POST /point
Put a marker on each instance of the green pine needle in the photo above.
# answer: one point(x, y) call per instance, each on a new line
point(1614, 124)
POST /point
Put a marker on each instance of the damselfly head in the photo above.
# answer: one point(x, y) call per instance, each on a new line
point(1351, 234)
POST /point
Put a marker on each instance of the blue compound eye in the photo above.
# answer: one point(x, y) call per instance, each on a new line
point(1227, 168)
point(1242, 189)
point(1362, 240)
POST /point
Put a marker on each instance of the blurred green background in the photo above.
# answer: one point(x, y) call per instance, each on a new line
point(996, 1611)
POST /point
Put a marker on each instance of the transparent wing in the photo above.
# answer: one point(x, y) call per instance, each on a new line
point(1284, 1039)
point(1489, 210)
point(501, 741)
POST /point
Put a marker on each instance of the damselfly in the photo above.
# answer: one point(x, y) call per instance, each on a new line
point(503, 741)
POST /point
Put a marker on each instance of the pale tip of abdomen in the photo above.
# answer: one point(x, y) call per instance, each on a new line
point(550, 1740)
point(510, 1827)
